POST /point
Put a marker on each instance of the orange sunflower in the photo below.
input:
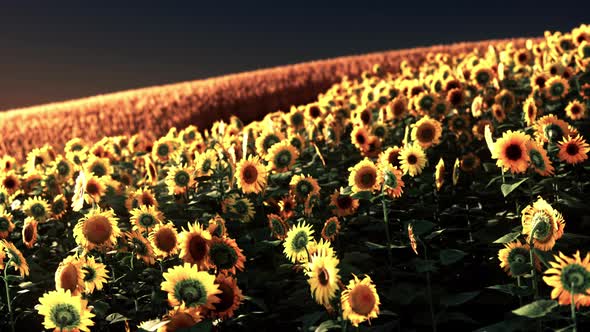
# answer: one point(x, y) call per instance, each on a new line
point(539, 160)
point(570, 276)
point(251, 175)
point(360, 301)
point(364, 176)
point(573, 150)
point(548, 224)
point(225, 254)
point(343, 205)
point(426, 132)
point(194, 245)
point(514, 258)
point(511, 151)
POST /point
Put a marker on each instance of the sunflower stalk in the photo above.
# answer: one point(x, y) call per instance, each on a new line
point(573, 310)
point(8, 301)
point(429, 291)
point(386, 223)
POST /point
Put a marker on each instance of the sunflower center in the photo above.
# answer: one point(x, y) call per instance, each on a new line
point(518, 256)
point(147, 200)
point(543, 226)
point(65, 316)
point(366, 117)
point(304, 188)
point(197, 248)
point(57, 207)
point(163, 150)
point(456, 97)
point(344, 202)
point(482, 77)
point(63, 168)
point(223, 256)
point(553, 132)
point(556, 89)
point(513, 152)
point(412, 159)
point(360, 138)
point(362, 300)
point(206, 165)
point(331, 229)
point(425, 133)
point(572, 149)
point(426, 102)
point(98, 229)
point(181, 178)
point(367, 178)
point(92, 188)
point(191, 292)
point(38, 210)
point(314, 111)
point(323, 276)
point(283, 159)
point(9, 183)
point(269, 141)
point(147, 220)
point(537, 159)
point(575, 109)
point(4, 224)
point(575, 278)
point(297, 119)
point(240, 207)
point(89, 273)
point(300, 241)
point(165, 240)
point(250, 174)
point(99, 170)
point(69, 278)
point(226, 297)
point(140, 247)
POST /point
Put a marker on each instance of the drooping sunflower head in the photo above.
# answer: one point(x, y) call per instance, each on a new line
point(469, 162)
point(360, 301)
point(303, 186)
point(225, 254)
point(185, 284)
point(145, 218)
point(511, 151)
point(282, 156)
point(95, 274)
point(538, 159)
point(6, 224)
point(251, 175)
point(97, 229)
point(65, 312)
point(364, 176)
point(570, 277)
point(392, 180)
point(550, 128)
point(514, 259)
point(529, 109)
point(29, 231)
point(426, 132)
point(164, 240)
point(37, 208)
point(194, 245)
point(217, 226)
point(69, 275)
point(573, 150)
point(179, 317)
point(278, 227)
point(230, 297)
point(323, 278)
point(412, 159)
point(17, 260)
point(543, 223)
point(331, 229)
point(141, 247)
point(297, 241)
point(439, 174)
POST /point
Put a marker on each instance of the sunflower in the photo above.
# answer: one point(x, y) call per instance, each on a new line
point(164, 240)
point(59, 206)
point(69, 275)
point(95, 188)
point(397, 108)
point(266, 140)
point(573, 150)
point(412, 159)
point(37, 208)
point(195, 243)
point(482, 75)
point(343, 205)
point(29, 232)
point(575, 110)
point(217, 227)
point(514, 259)
point(323, 276)
point(251, 175)
point(6, 225)
point(141, 247)
point(145, 218)
point(282, 156)
point(360, 137)
point(360, 301)
point(295, 118)
point(298, 239)
point(206, 162)
point(63, 169)
point(551, 129)
point(37, 159)
point(547, 222)
point(364, 176)
point(242, 207)
point(97, 229)
point(95, 274)
point(287, 206)
point(185, 284)
point(225, 254)
point(392, 177)
point(539, 160)
point(17, 260)
point(178, 318)
point(331, 229)
point(511, 151)
point(426, 132)
point(570, 276)
point(98, 166)
point(439, 174)
point(278, 227)
point(529, 109)
point(141, 197)
point(230, 297)
point(179, 179)
point(498, 113)
point(65, 312)
point(556, 87)
point(468, 163)
point(303, 186)
point(391, 156)
point(7, 163)
point(506, 99)
point(10, 181)
point(165, 149)
point(456, 97)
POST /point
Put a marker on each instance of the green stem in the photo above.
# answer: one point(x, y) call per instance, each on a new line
point(533, 270)
point(429, 292)
point(8, 301)
point(519, 283)
point(573, 310)
point(386, 223)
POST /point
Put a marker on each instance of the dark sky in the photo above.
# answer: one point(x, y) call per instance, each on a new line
point(58, 50)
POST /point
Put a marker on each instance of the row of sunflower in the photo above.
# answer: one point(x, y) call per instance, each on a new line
point(184, 232)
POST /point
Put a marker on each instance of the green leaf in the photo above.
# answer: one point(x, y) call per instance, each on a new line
point(421, 227)
point(115, 318)
point(366, 195)
point(259, 302)
point(204, 326)
point(518, 268)
point(424, 265)
point(153, 325)
point(508, 188)
point(450, 256)
point(459, 298)
point(327, 326)
point(536, 309)
point(508, 237)
point(512, 289)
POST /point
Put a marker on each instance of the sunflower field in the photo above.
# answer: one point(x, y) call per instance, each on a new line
point(450, 194)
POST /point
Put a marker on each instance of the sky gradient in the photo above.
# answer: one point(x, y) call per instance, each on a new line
point(64, 50)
